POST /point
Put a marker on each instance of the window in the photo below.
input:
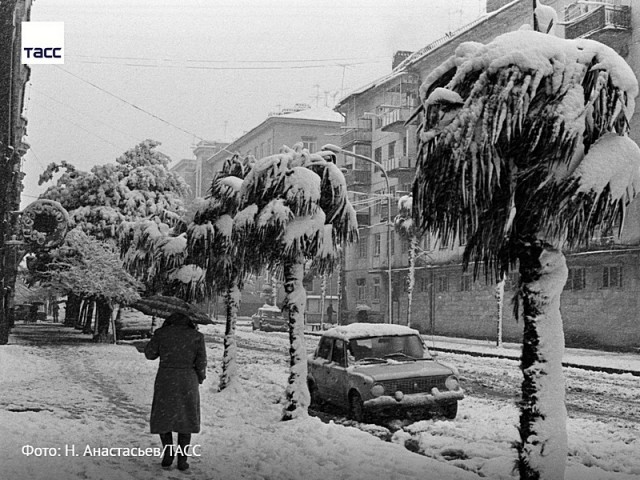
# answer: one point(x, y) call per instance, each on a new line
point(465, 285)
point(612, 277)
point(424, 284)
point(269, 149)
point(324, 348)
point(310, 143)
point(377, 242)
point(575, 279)
point(361, 284)
point(442, 283)
point(376, 289)
point(363, 251)
point(338, 353)
point(391, 153)
point(378, 155)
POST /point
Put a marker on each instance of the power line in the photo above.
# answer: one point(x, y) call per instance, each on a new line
point(112, 57)
point(129, 103)
point(203, 67)
point(128, 134)
point(80, 126)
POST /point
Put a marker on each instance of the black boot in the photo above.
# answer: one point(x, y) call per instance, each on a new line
point(167, 446)
point(183, 442)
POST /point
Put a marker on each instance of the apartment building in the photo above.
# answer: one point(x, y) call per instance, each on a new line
point(601, 301)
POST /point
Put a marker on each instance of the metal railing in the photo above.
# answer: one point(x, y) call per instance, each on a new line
point(606, 16)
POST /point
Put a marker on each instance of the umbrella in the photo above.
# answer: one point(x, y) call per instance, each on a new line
point(362, 308)
point(163, 306)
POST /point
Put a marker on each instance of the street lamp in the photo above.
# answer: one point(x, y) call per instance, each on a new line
point(336, 149)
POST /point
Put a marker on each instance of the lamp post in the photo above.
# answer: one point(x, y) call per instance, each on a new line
point(336, 149)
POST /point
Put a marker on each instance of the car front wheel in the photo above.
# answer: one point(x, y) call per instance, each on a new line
point(356, 407)
point(450, 411)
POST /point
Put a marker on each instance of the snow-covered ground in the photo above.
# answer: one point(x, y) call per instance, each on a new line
point(68, 397)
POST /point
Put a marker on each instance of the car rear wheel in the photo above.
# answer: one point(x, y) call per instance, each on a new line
point(450, 410)
point(356, 407)
point(316, 402)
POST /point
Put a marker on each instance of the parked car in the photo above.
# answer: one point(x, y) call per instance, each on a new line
point(131, 323)
point(269, 319)
point(21, 312)
point(381, 369)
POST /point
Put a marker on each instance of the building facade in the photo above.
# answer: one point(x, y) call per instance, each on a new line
point(601, 300)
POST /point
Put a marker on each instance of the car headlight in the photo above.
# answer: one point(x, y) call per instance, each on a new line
point(452, 383)
point(377, 390)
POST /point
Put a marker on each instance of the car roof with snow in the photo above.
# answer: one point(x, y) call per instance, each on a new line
point(360, 330)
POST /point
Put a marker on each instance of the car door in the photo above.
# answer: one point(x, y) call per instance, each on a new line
point(337, 381)
point(319, 367)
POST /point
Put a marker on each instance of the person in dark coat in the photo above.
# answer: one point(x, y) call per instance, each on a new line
point(176, 395)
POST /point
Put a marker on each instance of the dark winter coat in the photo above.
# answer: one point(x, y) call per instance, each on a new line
point(183, 361)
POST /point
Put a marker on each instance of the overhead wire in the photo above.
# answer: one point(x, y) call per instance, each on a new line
point(133, 105)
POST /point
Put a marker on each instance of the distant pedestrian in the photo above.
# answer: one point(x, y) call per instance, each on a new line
point(176, 395)
point(330, 312)
point(55, 309)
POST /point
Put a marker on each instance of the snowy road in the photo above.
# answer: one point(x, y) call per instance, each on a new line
point(593, 395)
point(56, 395)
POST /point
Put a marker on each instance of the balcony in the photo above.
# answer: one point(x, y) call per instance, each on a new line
point(395, 166)
point(364, 219)
point(355, 135)
point(606, 23)
point(384, 210)
point(358, 178)
point(393, 120)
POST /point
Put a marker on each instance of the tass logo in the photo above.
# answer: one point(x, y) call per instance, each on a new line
point(42, 43)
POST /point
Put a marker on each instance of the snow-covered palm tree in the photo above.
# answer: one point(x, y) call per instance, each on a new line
point(213, 247)
point(405, 226)
point(295, 208)
point(523, 151)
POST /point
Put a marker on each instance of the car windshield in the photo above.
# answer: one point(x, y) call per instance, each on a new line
point(405, 347)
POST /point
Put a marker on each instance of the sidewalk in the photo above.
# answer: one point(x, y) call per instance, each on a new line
point(610, 362)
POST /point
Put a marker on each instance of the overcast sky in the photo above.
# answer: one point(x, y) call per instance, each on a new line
point(180, 70)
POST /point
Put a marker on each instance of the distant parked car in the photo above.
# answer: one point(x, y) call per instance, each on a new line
point(21, 312)
point(131, 324)
point(381, 369)
point(269, 319)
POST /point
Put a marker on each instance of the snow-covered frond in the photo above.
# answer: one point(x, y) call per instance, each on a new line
point(403, 223)
point(301, 190)
point(505, 129)
point(245, 218)
point(275, 214)
point(224, 227)
point(189, 283)
point(265, 179)
point(302, 235)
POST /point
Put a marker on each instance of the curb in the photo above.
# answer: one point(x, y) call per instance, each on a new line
point(592, 368)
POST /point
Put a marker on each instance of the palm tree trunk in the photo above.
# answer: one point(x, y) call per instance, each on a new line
point(297, 393)
point(413, 248)
point(499, 292)
point(542, 449)
point(342, 290)
point(229, 358)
